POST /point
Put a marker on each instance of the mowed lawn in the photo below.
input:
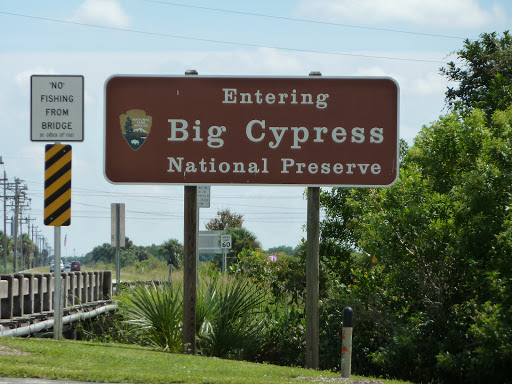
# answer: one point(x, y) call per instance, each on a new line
point(116, 363)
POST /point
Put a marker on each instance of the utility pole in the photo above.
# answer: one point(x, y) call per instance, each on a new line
point(20, 220)
point(24, 258)
point(19, 203)
point(39, 242)
point(4, 182)
point(16, 202)
point(22, 205)
point(34, 243)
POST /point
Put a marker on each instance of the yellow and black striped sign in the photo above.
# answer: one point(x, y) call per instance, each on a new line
point(57, 185)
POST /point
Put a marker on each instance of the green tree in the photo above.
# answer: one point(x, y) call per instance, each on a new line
point(438, 249)
point(286, 249)
point(9, 243)
point(102, 253)
point(224, 220)
point(132, 255)
point(241, 239)
point(484, 77)
point(106, 253)
point(28, 249)
point(154, 249)
point(172, 251)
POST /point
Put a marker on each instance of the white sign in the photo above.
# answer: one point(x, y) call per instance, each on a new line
point(225, 242)
point(203, 196)
point(208, 242)
point(57, 108)
point(117, 221)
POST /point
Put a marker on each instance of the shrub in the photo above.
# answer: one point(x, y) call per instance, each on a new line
point(231, 324)
point(285, 335)
point(157, 310)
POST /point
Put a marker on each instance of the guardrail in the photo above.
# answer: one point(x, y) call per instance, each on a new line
point(30, 294)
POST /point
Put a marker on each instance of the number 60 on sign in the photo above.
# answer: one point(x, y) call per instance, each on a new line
point(225, 242)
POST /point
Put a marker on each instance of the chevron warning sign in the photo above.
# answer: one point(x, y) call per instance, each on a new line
point(57, 185)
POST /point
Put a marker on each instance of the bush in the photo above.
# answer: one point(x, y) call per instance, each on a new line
point(281, 275)
point(285, 335)
point(230, 319)
point(157, 311)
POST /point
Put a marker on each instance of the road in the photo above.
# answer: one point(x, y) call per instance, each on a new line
point(8, 380)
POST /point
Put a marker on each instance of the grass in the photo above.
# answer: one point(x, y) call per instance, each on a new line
point(116, 363)
point(130, 273)
point(156, 272)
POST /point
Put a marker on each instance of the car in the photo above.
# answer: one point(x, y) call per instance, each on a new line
point(52, 267)
point(76, 266)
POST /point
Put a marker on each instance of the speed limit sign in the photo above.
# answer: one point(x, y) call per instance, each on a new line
point(225, 241)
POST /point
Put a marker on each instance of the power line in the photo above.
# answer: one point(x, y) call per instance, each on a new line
point(294, 19)
point(234, 43)
point(77, 191)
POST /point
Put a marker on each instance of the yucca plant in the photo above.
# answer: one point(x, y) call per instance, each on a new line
point(157, 311)
point(231, 324)
point(207, 303)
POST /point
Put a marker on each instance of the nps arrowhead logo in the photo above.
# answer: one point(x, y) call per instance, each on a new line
point(135, 126)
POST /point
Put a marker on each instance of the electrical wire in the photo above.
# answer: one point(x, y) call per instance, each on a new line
point(234, 43)
point(294, 19)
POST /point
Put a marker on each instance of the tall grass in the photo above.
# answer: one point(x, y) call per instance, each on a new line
point(138, 272)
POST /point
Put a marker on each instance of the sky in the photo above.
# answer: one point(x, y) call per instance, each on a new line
point(408, 40)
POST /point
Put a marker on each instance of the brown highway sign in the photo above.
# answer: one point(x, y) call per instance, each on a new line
point(323, 131)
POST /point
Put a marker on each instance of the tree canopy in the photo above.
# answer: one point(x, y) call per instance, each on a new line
point(438, 245)
point(172, 251)
point(431, 278)
point(484, 75)
point(224, 220)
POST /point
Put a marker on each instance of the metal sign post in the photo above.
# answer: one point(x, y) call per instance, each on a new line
point(58, 312)
point(226, 244)
point(203, 201)
point(118, 236)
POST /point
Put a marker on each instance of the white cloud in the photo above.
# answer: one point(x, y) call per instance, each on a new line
point(103, 12)
point(438, 13)
point(23, 78)
point(430, 84)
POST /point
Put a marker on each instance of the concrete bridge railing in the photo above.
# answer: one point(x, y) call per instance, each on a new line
point(23, 294)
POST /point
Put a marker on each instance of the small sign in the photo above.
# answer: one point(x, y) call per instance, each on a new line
point(225, 242)
point(57, 185)
point(208, 242)
point(57, 108)
point(203, 196)
point(117, 224)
